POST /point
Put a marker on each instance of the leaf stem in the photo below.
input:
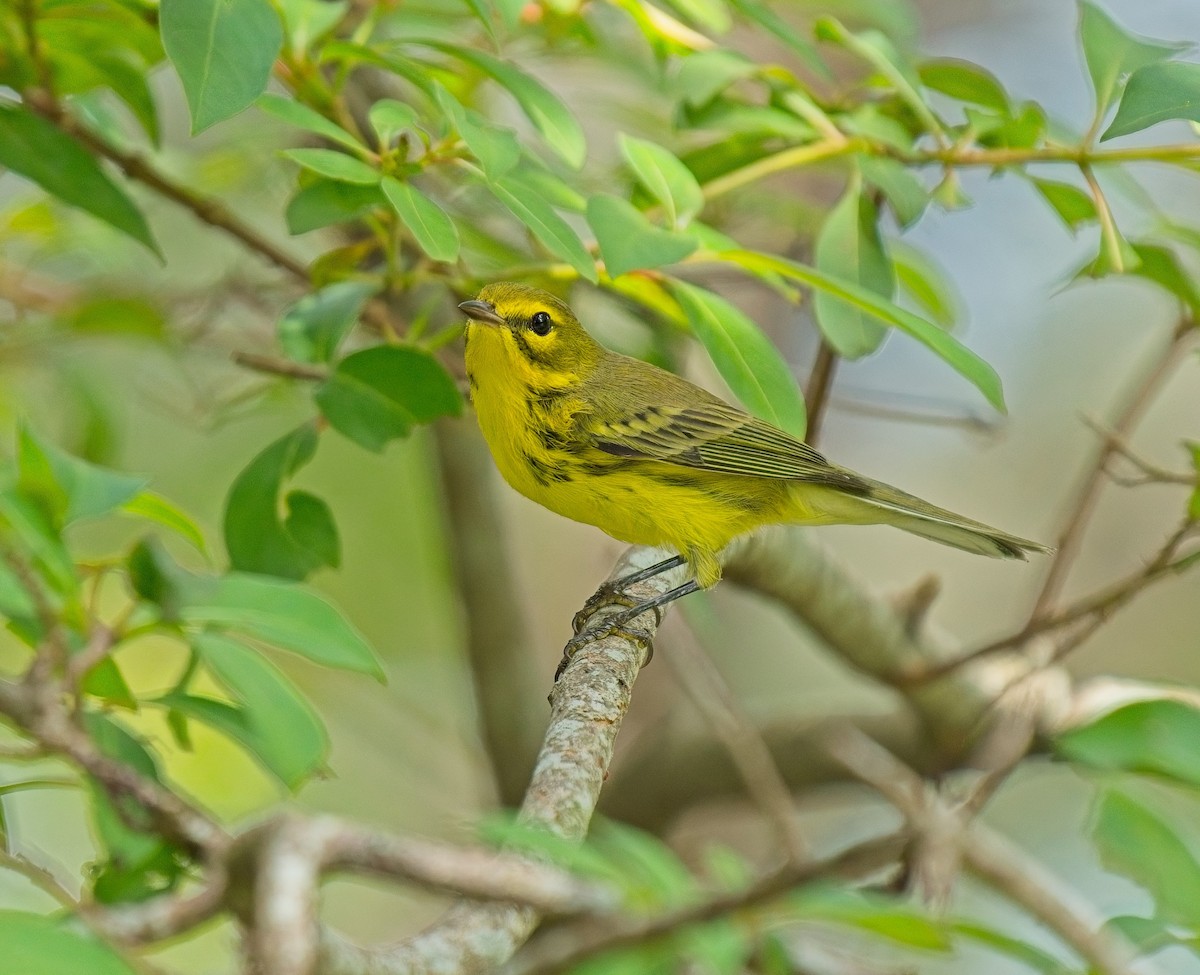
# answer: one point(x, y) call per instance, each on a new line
point(1110, 236)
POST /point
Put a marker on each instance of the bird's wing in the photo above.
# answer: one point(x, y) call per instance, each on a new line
point(713, 436)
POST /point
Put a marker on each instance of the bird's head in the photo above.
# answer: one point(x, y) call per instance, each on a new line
point(528, 332)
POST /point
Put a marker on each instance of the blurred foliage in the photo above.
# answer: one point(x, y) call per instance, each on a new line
point(436, 146)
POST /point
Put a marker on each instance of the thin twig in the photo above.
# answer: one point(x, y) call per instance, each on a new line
point(33, 44)
point(574, 944)
point(276, 366)
point(1110, 236)
point(1088, 492)
point(36, 706)
point(1153, 474)
point(100, 643)
point(53, 651)
point(820, 385)
point(1023, 880)
point(1093, 609)
point(40, 877)
point(138, 168)
point(950, 838)
point(711, 695)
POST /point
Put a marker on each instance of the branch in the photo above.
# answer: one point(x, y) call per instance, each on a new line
point(1023, 880)
point(588, 704)
point(567, 947)
point(820, 385)
point(275, 366)
point(36, 706)
point(751, 756)
point(949, 837)
point(1092, 610)
point(293, 853)
point(139, 169)
point(1088, 492)
point(509, 688)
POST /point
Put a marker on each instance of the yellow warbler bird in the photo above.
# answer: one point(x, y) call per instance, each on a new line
point(655, 460)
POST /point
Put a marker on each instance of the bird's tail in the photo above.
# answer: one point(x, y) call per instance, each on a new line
point(881, 503)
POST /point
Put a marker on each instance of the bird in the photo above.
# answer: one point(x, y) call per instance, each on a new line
point(652, 459)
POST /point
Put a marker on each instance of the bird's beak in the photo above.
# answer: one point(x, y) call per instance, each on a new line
point(482, 311)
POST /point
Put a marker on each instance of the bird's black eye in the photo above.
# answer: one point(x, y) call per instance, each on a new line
point(540, 323)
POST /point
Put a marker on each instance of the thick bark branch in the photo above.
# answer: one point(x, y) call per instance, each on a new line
point(588, 705)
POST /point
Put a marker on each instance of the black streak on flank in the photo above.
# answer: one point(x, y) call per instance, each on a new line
point(471, 380)
point(544, 473)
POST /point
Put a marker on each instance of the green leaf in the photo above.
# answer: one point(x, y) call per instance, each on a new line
point(139, 863)
point(154, 507)
point(849, 247)
point(155, 577)
point(705, 74)
point(711, 15)
point(1111, 52)
point(87, 490)
point(667, 179)
point(1158, 737)
point(273, 720)
point(303, 117)
point(924, 282)
point(1138, 844)
point(549, 115)
point(16, 604)
point(280, 613)
point(794, 38)
point(1162, 266)
point(35, 149)
point(426, 221)
point(1015, 948)
point(324, 201)
point(111, 314)
point(379, 394)
point(652, 870)
point(35, 945)
point(223, 51)
point(628, 241)
point(745, 357)
point(1072, 204)
point(894, 180)
point(259, 536)
point(308, 20)
point(1150, 935)
point(948, 348)
point(877, 49)
point(105, 681)
point(334, 165)
point(964, 81)
point(389, 118)
point(1156, 93)
point(27, 521)
point(494, 146)
point(313, 328)
point(885, 917)
point(545, 224)
point(1023, 130)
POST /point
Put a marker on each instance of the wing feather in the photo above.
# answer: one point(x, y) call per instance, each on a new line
point(714, 436)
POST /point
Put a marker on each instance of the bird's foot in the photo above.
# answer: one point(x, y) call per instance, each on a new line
point(614, 626)
point(609, 594)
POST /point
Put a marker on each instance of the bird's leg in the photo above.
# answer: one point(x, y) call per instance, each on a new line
point(614, 591)
point(616, 623)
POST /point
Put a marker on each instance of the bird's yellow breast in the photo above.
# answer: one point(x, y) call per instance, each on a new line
point(533, 421)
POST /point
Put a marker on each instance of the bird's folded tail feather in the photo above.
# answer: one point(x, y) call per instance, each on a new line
point(883, 504)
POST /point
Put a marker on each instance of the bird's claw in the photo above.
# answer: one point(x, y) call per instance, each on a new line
point(617, 628)
point(606, 595)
